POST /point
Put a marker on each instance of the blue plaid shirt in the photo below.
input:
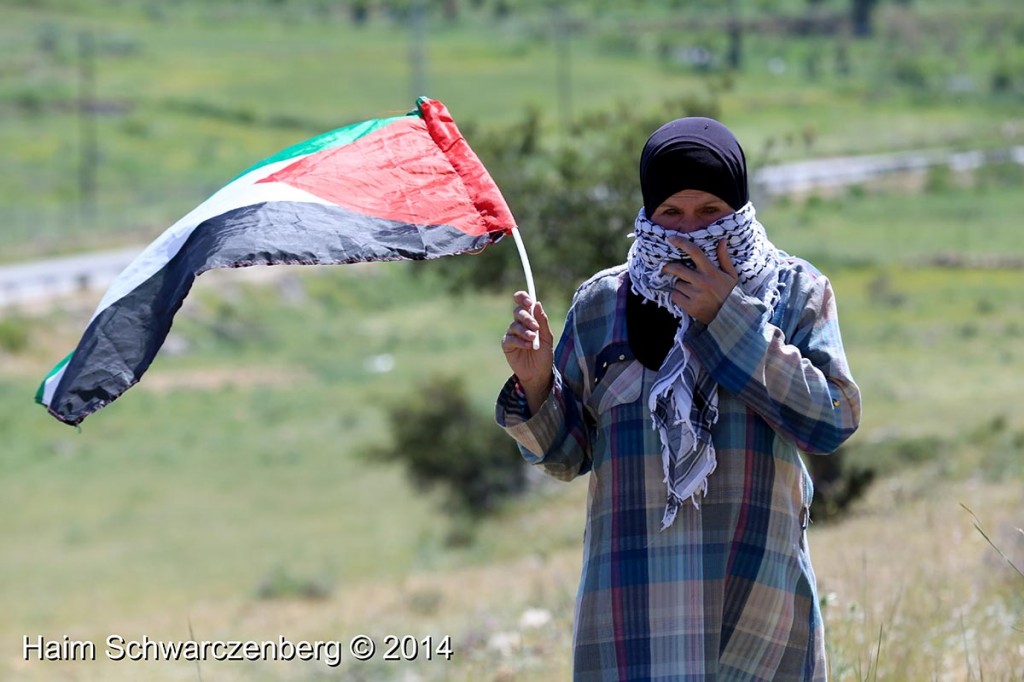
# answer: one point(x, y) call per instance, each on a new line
point(727, 592)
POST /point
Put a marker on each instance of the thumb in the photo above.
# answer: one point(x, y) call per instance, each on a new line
point(724, 261)
point(542, 322)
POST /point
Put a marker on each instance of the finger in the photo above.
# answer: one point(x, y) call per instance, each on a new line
point(685, 289)
point(724, 260)
point(514, 344)
point(542, 336)
point(524, 317)
point(682, 301)
point(523, 300)
point(679, 271)
point(518, 336)
point(700, 259)
point(544, 325)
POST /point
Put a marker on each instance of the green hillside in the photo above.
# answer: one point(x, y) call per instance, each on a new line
point(233, 495)
point(121, 116)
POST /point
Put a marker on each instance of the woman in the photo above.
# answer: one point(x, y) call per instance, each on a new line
point(685, 382)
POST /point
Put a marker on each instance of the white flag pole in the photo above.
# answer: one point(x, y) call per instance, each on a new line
point(529, 277)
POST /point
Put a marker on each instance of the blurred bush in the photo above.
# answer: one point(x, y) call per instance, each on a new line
point(441, 440)
point(576, 200)
point(282, 582)
point(14, 334)
point(837, 484)
point(996, 175)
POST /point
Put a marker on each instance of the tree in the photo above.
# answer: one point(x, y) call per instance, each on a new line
point(574, 201)
point(860, 16)
point(360, 12)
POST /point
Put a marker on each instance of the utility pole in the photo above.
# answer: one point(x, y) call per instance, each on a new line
point(735, 23)
point(860, 17)
point(88, 147)
point(418, 48)
point(563, 68)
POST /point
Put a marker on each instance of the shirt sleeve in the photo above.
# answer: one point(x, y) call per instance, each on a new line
point(801, 385)
point(556, 438)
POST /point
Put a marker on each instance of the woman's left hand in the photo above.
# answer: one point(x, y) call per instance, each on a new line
point(701, 292)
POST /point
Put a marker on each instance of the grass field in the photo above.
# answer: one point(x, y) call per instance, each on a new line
point(229, 493)
point(188, 94)
point(229, 496)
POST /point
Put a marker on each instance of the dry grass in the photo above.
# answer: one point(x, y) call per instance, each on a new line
point(914, 592)
point(911, 591)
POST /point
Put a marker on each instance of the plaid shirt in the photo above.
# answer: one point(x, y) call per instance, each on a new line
point(727, 592)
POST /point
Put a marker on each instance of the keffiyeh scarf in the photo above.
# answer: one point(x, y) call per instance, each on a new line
point(684, 398)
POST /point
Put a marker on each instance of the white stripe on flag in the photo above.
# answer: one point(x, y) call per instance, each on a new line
point(167, 245)
point(50, 385)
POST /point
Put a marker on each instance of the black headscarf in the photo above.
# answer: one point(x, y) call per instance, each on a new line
point(688, 153)
point(693, 153)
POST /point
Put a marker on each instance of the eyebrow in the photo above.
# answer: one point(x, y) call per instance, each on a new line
point(705, 204)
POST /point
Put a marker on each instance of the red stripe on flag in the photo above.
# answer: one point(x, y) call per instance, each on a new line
point(399, 173)
point(478, 182)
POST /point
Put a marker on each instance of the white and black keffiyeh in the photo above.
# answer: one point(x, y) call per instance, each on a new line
point(684, 397)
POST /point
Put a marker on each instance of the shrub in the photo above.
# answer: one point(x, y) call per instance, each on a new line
point(910, 71)
point(1002, 78)
point(574, 201)
point(282, 583)
point(14, 334)
point(940, 179)
point(999, 174)
point(442, 441)
point(837, 485)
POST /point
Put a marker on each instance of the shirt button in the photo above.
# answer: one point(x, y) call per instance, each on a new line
point(622, 357)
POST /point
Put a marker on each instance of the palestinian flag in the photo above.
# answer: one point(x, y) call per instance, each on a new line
point(402, 188)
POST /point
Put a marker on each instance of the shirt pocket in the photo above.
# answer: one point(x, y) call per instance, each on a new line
point(618, 383)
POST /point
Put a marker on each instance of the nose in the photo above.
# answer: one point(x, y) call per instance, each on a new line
point(690, 224)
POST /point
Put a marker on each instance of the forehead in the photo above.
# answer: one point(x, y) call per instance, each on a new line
point(689, 197)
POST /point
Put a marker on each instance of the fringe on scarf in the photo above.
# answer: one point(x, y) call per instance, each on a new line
point(684, 398)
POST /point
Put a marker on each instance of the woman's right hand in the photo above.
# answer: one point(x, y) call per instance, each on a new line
point(531, 367)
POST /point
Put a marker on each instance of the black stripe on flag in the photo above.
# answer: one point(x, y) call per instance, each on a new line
point(122, 340)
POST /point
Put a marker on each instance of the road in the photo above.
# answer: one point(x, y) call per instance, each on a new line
point(53, 278)
point(805, 176)
point(36, 281)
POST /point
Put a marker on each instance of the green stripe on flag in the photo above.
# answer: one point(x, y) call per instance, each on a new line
point(335, 138)
point(57, 368)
